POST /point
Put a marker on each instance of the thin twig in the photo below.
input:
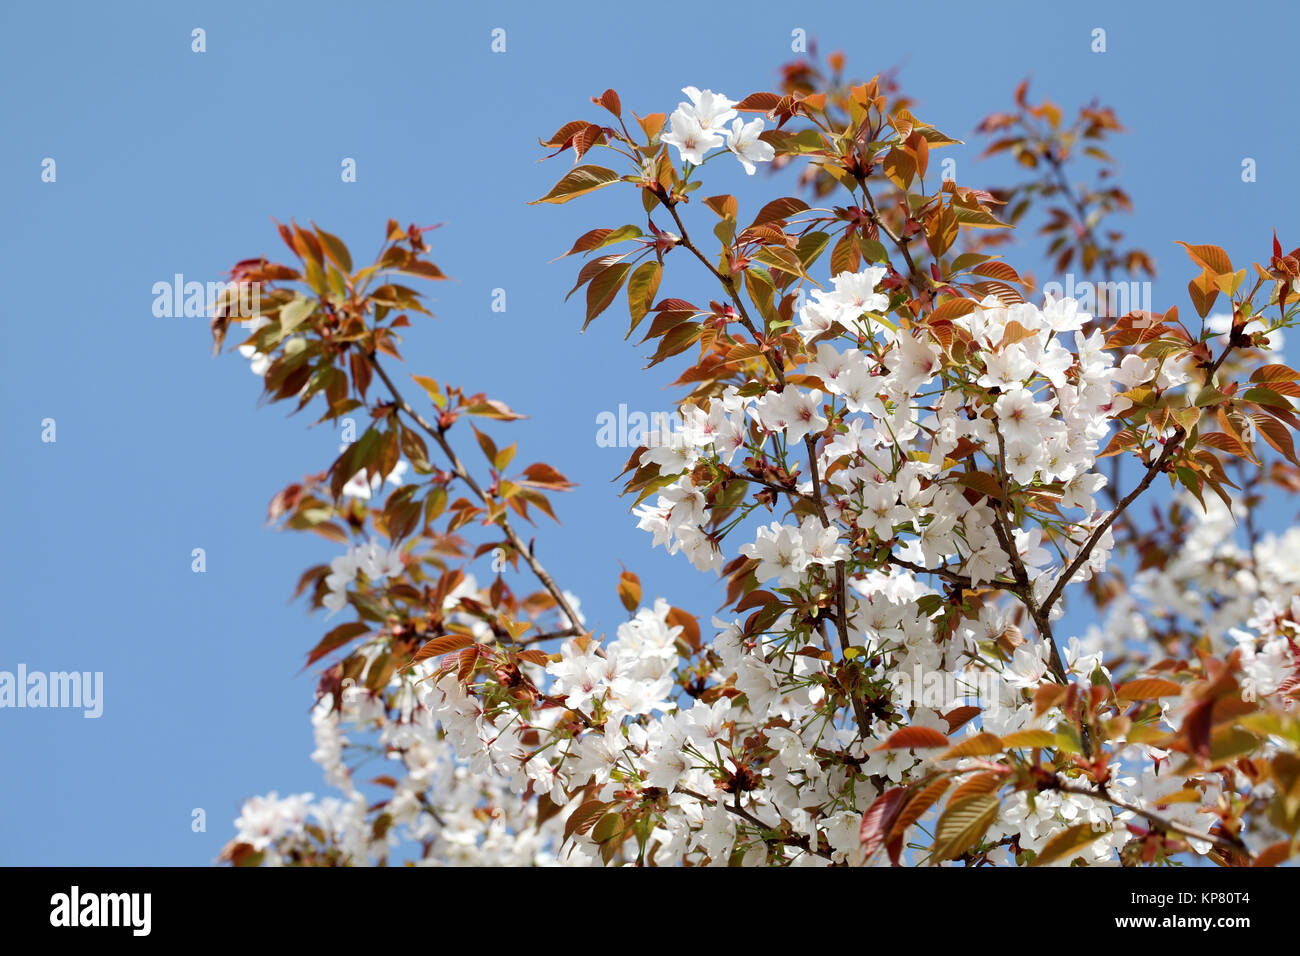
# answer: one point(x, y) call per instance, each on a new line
point(1171, 445)
point(1226, 845)
point(463, 474)
point(1039, 613)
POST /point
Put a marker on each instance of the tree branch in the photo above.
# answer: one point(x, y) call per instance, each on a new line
point(1041, 618)
point(1157, 466)
point(776, 363)
point(461, 472)
point(1224, 844)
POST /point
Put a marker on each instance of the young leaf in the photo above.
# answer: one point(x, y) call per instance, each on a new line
point(962, 825)
point(629, 590)
point(578, 182)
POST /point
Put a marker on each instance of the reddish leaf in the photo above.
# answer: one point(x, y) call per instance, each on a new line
point(583, 818)
point(759, 103)
point(878, 819)
point(690, 626)
point(336, 638)
point(910, 737)
point(440, 645)
point(1148, 688)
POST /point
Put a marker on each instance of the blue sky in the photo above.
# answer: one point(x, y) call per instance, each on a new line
point(171, 161)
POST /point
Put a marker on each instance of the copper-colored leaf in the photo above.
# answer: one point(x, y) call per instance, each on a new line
point(440, 645)
point(629, 590)
point(962, 825)
point(978, 745)
point(336, 639)
point(911, 737)
point(583, 818)
point(1148, 688)
point(578, 182)
point(1067, 843)
point(878, 819)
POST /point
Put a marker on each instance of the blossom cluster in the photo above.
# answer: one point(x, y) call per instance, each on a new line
point(897, 477)
point(701, 125)
point(1037, 403)
point(373, 560)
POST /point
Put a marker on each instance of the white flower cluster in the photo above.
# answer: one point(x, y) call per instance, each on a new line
point(1036, 402)
point(1048, 408)
point(265, 820)
point(358, 487)
point(677, 514)
point(636, 668)
point(468, 772)
point(371, 559)
point(701, 125)
point(445, 793)
point(1213, 584)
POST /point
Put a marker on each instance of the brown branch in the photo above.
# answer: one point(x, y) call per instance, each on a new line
point(1025, 587)
point(728, 283)
point(1171, 446)
point(901, 243)
point(461, 472)
point(549, 636)
point(776, 363)
point(783, 489)
point(685, 242)
point(1226, 845)
point(841, 585)
point(961, 580)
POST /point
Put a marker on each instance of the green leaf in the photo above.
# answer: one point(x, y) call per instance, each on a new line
point(927, 604)
point(293, 313)
point(810, 247)
point(1267, 396)
point(641, 291)
point(962, 825)
point(431, 389)
point(578, 182)
point(978, 218)
point(783, 259)
point(610, 826)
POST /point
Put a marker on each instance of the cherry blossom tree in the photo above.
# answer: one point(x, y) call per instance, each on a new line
point(951, 635)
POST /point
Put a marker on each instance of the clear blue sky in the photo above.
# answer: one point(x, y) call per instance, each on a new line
point(170, 161)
